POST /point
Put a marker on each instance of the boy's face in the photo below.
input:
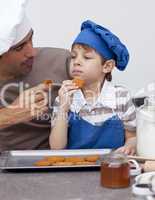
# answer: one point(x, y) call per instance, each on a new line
point(86, 64)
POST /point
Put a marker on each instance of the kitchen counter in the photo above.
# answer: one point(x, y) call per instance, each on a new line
point(57, 185)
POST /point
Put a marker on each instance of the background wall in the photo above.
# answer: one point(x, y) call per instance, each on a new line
point(57, 22)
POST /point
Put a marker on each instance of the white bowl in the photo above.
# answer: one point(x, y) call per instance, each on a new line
point(145, 178)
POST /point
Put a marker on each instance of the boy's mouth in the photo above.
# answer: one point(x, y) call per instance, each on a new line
point(76, 72)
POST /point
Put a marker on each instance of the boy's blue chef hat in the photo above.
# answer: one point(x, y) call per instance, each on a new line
point(104, 42)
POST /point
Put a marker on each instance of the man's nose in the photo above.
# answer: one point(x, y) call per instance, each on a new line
point(30, 51)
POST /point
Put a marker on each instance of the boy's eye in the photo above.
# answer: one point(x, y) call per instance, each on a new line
point(87, 57)
point(73, 56)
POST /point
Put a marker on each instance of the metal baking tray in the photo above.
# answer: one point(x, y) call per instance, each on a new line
point(25, 159)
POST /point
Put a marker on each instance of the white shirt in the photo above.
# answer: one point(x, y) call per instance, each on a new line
point(113, 100)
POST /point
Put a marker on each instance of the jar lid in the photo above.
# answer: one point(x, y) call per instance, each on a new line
point(114, 158)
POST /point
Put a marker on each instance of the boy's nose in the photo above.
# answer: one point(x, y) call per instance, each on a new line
point(77, 61)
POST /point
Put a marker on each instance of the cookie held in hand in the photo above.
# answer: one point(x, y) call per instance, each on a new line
point(48, 82)
point(78, 82)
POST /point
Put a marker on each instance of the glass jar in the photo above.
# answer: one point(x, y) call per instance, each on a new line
point(115, 171)
point(146, 128)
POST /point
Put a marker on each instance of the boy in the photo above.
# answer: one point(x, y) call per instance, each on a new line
point(100, 115)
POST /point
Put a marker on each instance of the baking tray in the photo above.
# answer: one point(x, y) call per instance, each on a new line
point(25, 159)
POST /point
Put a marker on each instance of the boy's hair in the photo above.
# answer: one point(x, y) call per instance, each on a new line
point(108, 76)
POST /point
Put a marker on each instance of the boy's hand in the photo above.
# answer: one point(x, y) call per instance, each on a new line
point(127, 149)
point(66, 93)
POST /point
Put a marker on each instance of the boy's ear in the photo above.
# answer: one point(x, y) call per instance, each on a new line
point(108, 66)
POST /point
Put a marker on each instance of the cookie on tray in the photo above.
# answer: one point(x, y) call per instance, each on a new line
point(74, 159)
point(40, 163)
point(55, 159)
point(92, 158)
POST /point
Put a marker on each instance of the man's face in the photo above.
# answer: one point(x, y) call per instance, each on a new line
point(19, 59)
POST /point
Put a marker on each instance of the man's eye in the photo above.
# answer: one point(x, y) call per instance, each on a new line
point(19, 48)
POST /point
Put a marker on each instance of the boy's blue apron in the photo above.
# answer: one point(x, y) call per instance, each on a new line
point(83, 135)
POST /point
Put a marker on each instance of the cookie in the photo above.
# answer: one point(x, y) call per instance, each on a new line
point(92, 158)
point(85, 163)
point(78, 82)
point(48, 82)
point(74, 159)
point(63, 164)
point(42, 163)
point(54, 159)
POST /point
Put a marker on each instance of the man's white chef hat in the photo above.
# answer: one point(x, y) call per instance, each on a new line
point(14, 25)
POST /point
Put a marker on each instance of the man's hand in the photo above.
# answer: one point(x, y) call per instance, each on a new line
point(30, 104)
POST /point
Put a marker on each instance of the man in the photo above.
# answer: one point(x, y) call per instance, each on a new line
point(23, 96)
